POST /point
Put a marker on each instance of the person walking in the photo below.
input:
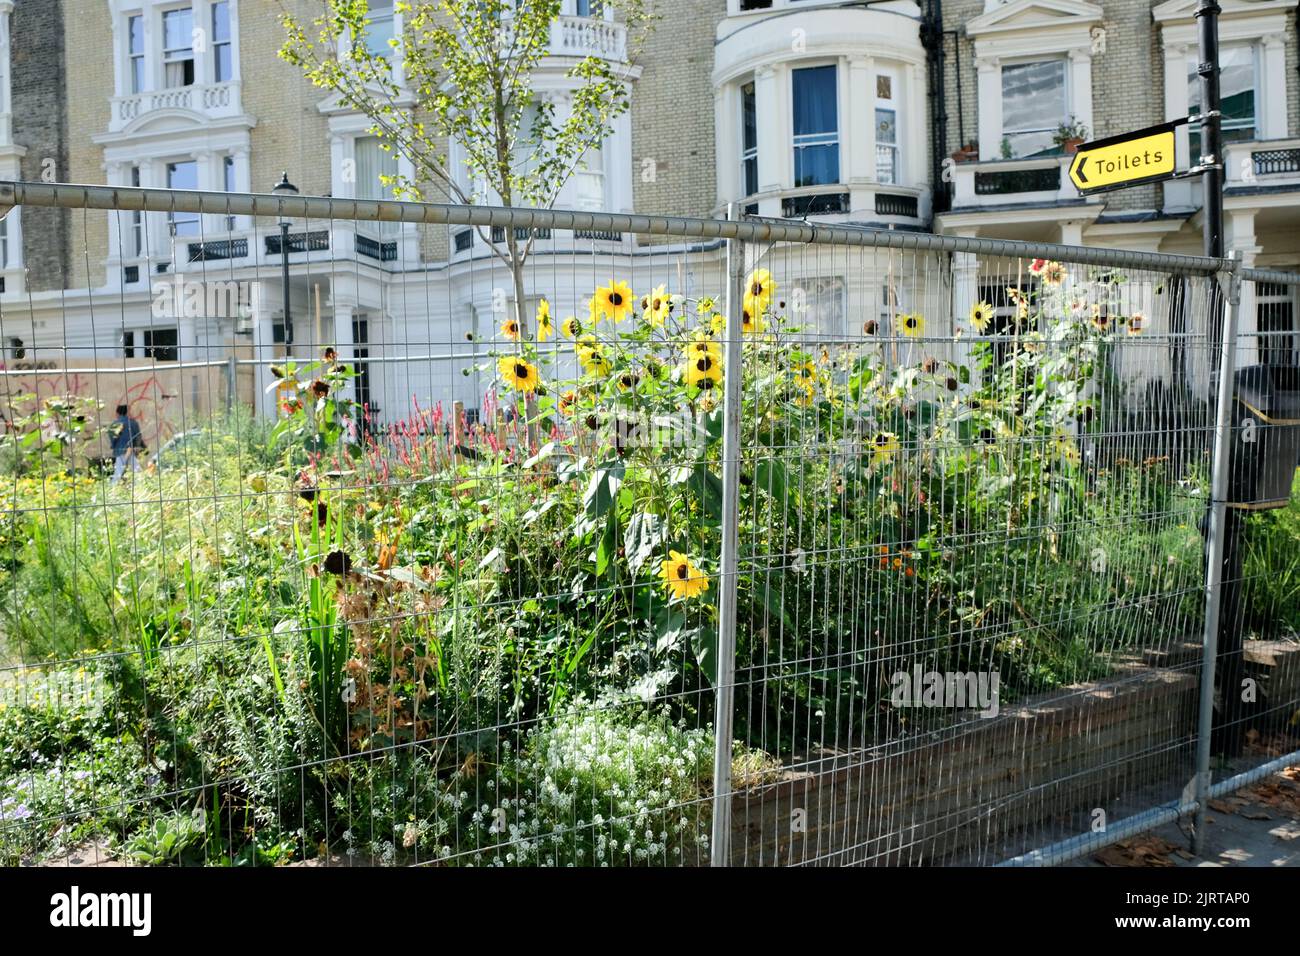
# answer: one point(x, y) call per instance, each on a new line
point(127, 441)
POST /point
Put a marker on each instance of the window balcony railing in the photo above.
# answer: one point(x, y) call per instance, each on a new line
point(1273, 162)
point(580, 37)
point(1042, 180)
point(213, 100)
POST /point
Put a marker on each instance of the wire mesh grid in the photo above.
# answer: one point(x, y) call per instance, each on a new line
point(461, 564)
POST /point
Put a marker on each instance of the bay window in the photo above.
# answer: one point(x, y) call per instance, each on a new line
point(816, 129)
point(1033, 107)
point(748, 140)
point(178, 47)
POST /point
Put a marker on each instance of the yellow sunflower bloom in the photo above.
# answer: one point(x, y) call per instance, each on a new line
point(703, 346)
point(760, 286)
point(805, 374)
point(703, 369)
point(571, 327)
point(510, 329)
point(884, 446)
point(682, 578)
point(518, 374)
point(912, 324)
point(981, 314)
point(545, 327)
point(1137, 322)
point(753, 321)
point(567, 401)
point(615, 300)
point(657, 306)
point(718, 323)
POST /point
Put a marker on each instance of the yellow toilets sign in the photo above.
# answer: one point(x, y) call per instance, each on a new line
point(1143, 156)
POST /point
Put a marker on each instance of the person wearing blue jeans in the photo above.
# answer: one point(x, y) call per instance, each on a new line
point(127, 440)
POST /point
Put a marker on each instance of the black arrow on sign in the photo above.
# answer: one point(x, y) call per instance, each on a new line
point(1079, 169)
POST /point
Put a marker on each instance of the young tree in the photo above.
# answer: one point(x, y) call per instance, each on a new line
point(462, 71)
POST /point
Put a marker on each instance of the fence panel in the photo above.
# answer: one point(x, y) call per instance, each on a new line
point(686, 542)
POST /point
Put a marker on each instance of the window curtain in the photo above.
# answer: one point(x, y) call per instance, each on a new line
point(373, 162)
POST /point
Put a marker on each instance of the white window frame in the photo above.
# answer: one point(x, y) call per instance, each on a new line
point(168, 58)
point(136, 82)
point(891, 104)
point(176, 218)
point(229, 43)
point(807, 140)
point(1066, 99)
point(748, 154)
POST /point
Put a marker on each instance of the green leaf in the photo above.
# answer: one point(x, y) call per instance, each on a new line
point(645, 533)
point(771, 476)
point(704, 639)
point(608, 545)
point(707, 488)
point(602, 489)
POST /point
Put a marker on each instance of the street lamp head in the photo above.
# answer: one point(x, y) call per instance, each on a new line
point(284, 187)
point(285, 190)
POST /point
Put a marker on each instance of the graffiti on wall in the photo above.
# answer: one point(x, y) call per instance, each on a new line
point(163, 398)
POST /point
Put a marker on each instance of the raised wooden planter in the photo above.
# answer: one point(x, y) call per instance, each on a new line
point(919, 800)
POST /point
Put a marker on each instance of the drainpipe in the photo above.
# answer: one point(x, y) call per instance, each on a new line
point(932, 39)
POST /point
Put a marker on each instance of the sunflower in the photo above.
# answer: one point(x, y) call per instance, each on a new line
point(614, 301)
point(545, 327)
point(760, 286)
point(706, 306)
point(591, 357)
point(1099, 318)
point(628, 381)
point(510, 329)
point(682, 578)
point(912, 324)
point(1053, 273)
point(753, 316)
point(571, 327)
point(703, 370)
point(567, 401)
point(1136, 323)
point(703, 346)
point(518, 374)
point(981, 314)
point(717, 324)
point(884, 446)
point(805, 375)
point(657, 306)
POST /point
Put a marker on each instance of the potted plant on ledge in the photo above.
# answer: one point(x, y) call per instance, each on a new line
point(968, 153)
point(1070, 136)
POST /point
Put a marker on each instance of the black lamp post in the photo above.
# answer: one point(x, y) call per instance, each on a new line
point(285, 189)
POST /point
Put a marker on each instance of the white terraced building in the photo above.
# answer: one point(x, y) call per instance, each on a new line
point(840, 112)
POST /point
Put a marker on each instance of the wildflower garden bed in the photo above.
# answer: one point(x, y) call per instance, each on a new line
point(497, 644)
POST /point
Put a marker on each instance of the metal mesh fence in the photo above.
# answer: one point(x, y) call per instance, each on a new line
point(683, 542)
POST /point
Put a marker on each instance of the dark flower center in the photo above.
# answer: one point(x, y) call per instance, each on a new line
point(615, 298)
point(704, 363)
point(521, 370)
point(683, 572)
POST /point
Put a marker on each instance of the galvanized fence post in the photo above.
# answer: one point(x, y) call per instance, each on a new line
point(1231, 282)
point(725, 690)
point(232, 381)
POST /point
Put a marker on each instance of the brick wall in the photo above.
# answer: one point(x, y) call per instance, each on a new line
point(87, 44)
point(672, 111)
point(291, 134)
point(40, 124)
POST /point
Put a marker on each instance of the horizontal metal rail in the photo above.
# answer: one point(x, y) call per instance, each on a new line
point(1067, 850)
point(72, 196)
